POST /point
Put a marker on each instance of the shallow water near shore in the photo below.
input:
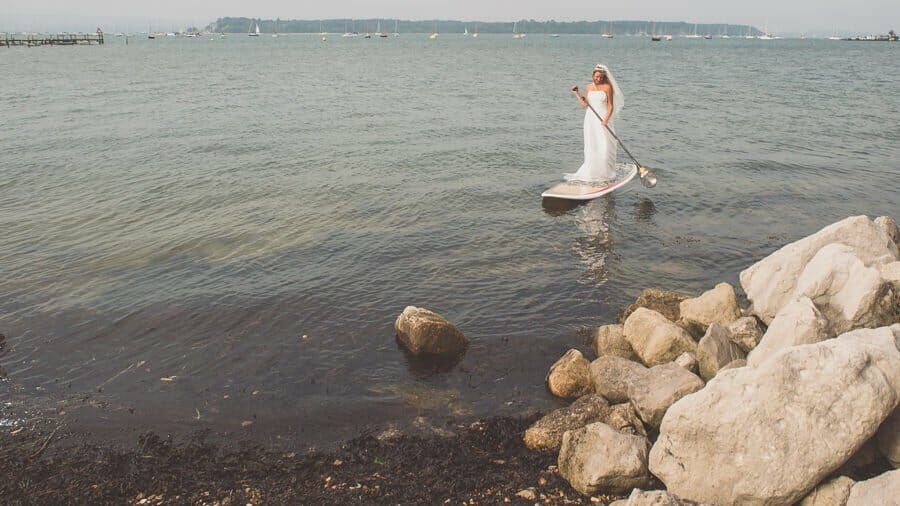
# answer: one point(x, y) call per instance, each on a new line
point(204, 233)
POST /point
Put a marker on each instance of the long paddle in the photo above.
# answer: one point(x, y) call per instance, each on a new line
point(648, 178)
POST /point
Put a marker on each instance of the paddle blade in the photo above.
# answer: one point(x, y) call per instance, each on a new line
point(648, 178)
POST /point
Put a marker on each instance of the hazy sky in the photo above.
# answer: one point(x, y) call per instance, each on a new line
point(856, 16)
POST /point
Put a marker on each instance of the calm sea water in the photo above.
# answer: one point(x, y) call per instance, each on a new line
point(245, 218)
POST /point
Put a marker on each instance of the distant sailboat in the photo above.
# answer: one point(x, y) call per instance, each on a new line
point(653, 36)
point(378, 32)
point(434, 34)
point(253, 33)
point(466, 30)
point(476, 31)
point(516, 34)
point(607, 34)
point(352, 32)
point(275, 30)
point(694, 35)
point(396, 31)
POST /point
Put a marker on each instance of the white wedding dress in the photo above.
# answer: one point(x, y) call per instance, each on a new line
point(599, 146)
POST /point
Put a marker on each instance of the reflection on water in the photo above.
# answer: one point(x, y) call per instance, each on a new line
point(644, 211)
point(558, 207)
point(595, 244)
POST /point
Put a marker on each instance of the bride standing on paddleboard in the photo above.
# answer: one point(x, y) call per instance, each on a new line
point(605, 96)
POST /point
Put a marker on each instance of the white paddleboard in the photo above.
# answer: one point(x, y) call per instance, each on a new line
point(580, 190)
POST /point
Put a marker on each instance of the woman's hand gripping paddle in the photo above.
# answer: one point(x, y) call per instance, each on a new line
point(648, 178)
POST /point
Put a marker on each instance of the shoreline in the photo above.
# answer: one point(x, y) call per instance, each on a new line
point(484, 461)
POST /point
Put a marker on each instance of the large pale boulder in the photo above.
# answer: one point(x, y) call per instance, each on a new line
point(768, 435)
point(598, 458)
point(655, 339)
point(661, 387)
point(610, 340)
point(770, 283)
point(612, 376)
point(716, 350)
point(425, 332)
point(662, 301)
point(888, 438)
point(833, 492)
point(547, 433)
point(570, 376)
point(746, 332)
point(883, 490)
point(849, 294)
point(799, 322)
point(718, 305)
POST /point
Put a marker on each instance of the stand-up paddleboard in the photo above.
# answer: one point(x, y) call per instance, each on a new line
point(581, 190)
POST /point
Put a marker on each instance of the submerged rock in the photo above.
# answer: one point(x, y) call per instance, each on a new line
point(426, 332)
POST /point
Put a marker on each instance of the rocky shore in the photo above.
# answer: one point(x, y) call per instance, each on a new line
point(794, 398)
point(686, 400)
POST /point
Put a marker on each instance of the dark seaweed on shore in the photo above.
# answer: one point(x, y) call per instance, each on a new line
point(482, 463)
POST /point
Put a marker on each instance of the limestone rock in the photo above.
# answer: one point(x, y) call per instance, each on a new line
point(715, 350)
point(891, 272)
point(640, 497)
point(883, 490)
point(613, 375)
point(769, 283)
point(768, 435)
point(798, 323)
point(598, 458)
point(570, 376)
point(849, 294)
point(734, 364)
point(890, 228)
point(661, 387)
point(610, 340)
point(746, 332)
point(689, 362)
point(662, 301)
point(655, 339)
point(624, 419)
point(718, 305)
point(426, 332)
point(833, 492)
point(547, 433)
point(888, 438)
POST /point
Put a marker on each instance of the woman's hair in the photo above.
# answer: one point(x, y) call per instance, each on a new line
point(602, 72)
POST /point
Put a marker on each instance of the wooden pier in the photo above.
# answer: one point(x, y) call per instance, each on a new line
point(59, 39)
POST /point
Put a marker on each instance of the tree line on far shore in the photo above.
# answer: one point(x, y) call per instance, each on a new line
point(389, 25)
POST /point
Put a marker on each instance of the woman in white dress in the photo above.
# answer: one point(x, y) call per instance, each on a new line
point(604, 95)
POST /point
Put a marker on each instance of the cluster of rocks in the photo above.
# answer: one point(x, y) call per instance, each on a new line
point(787, 400)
